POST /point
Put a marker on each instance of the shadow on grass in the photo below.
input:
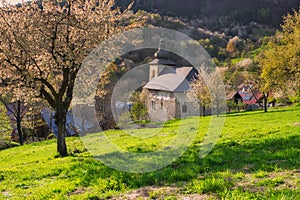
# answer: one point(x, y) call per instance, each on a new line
point(250, 156)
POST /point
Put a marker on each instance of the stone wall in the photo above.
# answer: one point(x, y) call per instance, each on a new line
point(163, 106)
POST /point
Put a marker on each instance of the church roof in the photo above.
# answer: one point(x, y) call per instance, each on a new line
point(186, 71)
point(168, 82)
point(172, 79)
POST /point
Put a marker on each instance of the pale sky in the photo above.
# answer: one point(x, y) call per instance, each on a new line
point(12, 1)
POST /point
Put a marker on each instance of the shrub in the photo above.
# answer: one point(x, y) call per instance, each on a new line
point(209, 185)
point(139, 111)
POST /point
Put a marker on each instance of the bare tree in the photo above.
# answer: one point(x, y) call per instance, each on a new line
point(200, 92)
point(208, 90)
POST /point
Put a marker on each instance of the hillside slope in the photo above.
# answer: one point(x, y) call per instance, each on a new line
point(260, 11)
point(257, 156)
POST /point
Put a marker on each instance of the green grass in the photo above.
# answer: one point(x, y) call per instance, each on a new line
point(236, 60)
point(256, 157)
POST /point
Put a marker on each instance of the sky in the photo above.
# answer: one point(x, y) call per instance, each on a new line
point(11, 1)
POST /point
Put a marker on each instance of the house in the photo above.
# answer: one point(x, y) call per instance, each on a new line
point(235, 97)
point(166, 96)
point(251, 97)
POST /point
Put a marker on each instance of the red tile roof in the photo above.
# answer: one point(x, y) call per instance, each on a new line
point(249, 98)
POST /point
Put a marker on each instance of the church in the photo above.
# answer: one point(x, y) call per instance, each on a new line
point(166, 91)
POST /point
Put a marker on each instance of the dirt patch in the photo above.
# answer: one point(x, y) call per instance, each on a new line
point(289, 180)
point(78, 191)
point(154, 192)
point(296, 124)
point(6, 193)
point(146, 192)
point(248, 167)
point(196, 197)
point(249, 183)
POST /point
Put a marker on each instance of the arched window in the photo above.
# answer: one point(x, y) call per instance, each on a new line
point(184, 109)
point(153, 73)
point(153, 105)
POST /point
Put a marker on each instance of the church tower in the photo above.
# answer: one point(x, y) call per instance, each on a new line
point(160, 62)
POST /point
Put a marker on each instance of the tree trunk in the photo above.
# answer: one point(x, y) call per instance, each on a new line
point(19, 121)
point(203, 110)
point(265, 102)
point(218, 109)
point(60, 121)
point(34, 128)
point(104, 113)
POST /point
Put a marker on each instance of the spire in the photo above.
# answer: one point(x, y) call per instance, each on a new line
point(161, 53)
point(162, 57)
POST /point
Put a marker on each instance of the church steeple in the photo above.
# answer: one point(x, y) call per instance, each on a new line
point(161, 53)
point(162, 57)
point(161, 61)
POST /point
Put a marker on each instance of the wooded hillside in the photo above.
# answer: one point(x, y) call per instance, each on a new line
point(260, 11)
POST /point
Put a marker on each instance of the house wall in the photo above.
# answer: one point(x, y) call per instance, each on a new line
point(163, 106)
point(186, 107)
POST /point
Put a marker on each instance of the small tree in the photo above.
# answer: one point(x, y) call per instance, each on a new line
point(240, 105)
point(17, 110)
point(208, 90)
point(231, 48)
point(217, 90)
point(280, 61)
point(231, 105)
point(200, 92)
point(138, 110)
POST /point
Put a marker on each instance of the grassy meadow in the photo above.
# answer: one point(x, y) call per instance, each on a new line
point(256, 157)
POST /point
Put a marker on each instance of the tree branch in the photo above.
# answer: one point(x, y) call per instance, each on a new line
point(48, 85)
point(48, 97)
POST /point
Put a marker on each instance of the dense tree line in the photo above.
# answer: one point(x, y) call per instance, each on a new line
point(260, 11)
